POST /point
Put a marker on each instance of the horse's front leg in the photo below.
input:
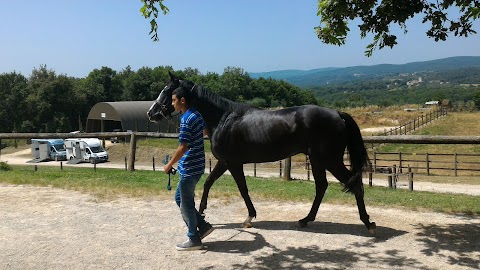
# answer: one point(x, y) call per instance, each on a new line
point(239, 176)
point(217, 171)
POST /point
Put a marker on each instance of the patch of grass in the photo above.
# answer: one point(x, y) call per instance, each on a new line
point(375, 116)
point(104, 183)
point(159, 143)
point(107, 184)
point(461, 179)
point(5, 167)
point(165, 143)
point(454, 124)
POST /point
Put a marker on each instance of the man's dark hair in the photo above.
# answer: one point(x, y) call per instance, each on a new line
point(182, 92)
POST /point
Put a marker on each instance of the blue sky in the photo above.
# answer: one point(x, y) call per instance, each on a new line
point(75, 37)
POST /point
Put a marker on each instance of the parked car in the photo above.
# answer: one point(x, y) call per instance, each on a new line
point(116, 139)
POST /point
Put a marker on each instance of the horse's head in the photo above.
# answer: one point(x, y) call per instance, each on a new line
point(162, 106)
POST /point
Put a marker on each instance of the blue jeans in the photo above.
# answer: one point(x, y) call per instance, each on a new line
point(185, 199)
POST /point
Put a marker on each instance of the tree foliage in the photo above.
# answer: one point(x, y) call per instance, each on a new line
point(47, 102)
point(13, 96)
point(376, 16)
point(476, 100)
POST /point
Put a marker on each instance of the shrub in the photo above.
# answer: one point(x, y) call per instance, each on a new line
point(5, 167)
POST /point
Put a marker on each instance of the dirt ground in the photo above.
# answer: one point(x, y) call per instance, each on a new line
point(47, 228)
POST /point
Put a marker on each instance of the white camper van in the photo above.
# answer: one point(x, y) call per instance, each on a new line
point(89, 150)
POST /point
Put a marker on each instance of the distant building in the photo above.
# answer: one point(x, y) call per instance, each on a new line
point(126, 115)
point(414, 82)
point(432, 103)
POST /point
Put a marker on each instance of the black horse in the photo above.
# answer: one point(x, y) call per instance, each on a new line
point(242, 134)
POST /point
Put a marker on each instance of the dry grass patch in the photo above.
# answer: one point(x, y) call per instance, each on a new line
point(375, 116)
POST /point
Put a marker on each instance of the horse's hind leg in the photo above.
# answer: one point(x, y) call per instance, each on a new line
point(239, 176)
point(321, 185)
point(343, 175)
point(217, 171)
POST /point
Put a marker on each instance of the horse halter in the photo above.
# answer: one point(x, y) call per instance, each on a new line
point(163, 107)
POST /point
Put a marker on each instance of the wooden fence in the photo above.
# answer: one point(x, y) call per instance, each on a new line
point(416, 123)
point(427, 163)
point(430, 165)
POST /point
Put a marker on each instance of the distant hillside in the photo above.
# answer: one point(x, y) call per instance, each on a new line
point(324, 76)
point(286, 74)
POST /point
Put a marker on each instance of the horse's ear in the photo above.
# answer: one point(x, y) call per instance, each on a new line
point(172, 76)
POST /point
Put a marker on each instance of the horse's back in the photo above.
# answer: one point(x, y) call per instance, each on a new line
point(269, 135)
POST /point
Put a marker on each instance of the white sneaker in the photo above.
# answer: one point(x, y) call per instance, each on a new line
point(189, 245)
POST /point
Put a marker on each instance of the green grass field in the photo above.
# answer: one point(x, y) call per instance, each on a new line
point(108, 184)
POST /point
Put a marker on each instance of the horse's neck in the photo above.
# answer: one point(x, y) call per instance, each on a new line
point(213, 107)
point(211, 113)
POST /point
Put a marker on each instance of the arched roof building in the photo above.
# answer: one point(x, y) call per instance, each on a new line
point(124, 116)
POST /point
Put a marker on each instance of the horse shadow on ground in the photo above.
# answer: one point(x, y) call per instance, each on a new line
point(383, 233)
point(458, 244)
point(304, 257)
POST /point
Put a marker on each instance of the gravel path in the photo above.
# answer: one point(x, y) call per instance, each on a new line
point(47, 228)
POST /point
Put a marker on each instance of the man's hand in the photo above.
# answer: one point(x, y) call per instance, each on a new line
point(167, 168)
point(181, 149)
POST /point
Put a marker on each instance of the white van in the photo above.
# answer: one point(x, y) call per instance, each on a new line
point(48, 149)
point(85, 150)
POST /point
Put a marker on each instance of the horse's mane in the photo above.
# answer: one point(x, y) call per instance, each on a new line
point(203, 94)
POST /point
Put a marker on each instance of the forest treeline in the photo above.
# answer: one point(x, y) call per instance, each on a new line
point(362, 95)
point(50, 102)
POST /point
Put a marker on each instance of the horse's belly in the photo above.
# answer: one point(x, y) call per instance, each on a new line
point(258, 153)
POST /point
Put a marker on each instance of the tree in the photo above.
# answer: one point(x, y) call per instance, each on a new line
point(150, 9)
point(476, 99)
point(48, 103)
point(377, 16)
point(137, 85)
point(13, 95)
point(104, 84)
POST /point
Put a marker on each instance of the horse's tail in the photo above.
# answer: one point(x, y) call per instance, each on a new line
point(358, 153)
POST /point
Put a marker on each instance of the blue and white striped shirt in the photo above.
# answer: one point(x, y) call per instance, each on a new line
point(191, 132)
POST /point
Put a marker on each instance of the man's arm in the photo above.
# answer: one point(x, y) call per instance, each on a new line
point(181, 149)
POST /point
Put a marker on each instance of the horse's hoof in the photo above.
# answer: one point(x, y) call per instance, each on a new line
point(373, 228)
point(248, 222)
point(247, 225)
point(302, 223)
